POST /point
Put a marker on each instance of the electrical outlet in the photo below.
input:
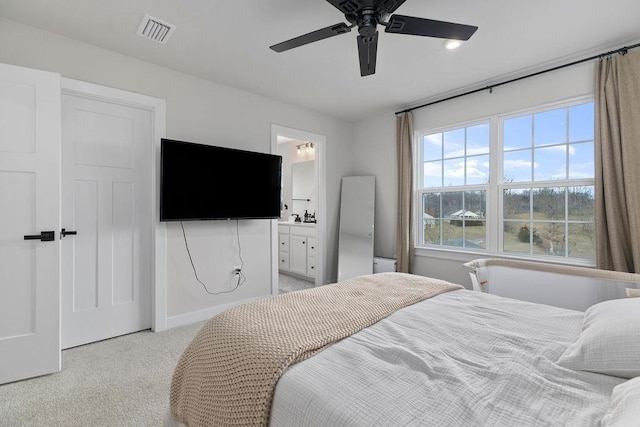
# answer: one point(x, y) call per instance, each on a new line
point(237, 267)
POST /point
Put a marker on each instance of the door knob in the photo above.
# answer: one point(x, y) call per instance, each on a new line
point(44, 236)
point(64, 233)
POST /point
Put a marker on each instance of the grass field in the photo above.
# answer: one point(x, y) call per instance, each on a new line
point(552, 221)
point(549, 237)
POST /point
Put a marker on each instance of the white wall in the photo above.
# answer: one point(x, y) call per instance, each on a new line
point(205, 112)
point(375, 154)
point(374, 151)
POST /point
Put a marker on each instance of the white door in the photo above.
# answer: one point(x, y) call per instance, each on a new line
point(106, 200)
point(29, 205)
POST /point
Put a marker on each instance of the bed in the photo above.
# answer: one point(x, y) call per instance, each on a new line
point(396, 349)
point(573, 287)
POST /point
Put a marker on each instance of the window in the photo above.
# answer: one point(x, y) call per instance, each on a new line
point(519, 184)
point(456, 158)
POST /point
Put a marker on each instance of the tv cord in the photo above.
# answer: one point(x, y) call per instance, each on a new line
point(241, 276)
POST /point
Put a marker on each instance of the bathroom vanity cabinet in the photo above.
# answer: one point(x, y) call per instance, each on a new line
point(297, 249)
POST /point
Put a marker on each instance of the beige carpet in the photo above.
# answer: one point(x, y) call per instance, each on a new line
point(122, 381)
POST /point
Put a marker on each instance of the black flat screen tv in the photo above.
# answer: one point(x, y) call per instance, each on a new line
point(205, 182)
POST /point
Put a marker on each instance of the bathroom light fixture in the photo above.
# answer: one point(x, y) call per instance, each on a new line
point(452, 44)
point(308, 146)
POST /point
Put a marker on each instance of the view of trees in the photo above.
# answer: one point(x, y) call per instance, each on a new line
point(561, 219)
point(455, 218)
point(555, 221)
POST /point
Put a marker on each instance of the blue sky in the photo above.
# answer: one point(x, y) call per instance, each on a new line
point(539, 144)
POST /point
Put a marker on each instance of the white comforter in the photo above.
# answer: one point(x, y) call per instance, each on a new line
point(462, 358)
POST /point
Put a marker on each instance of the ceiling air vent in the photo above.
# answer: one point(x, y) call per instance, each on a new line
point(154, 29)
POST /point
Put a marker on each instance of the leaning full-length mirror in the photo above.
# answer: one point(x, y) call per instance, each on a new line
point(355, 240)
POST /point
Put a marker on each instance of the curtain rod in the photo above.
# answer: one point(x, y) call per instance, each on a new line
point(622, 50)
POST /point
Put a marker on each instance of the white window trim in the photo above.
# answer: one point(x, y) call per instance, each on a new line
point(494, 244)
point(418, 155)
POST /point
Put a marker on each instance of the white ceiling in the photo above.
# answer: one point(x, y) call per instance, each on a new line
point(228, 42)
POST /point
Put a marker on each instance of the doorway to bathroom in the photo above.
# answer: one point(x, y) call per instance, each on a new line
point(298, 237)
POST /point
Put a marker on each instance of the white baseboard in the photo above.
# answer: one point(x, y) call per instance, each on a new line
point(206, 314)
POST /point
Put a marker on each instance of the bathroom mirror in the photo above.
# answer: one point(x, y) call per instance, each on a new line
point(355, 238)
point(303, 187)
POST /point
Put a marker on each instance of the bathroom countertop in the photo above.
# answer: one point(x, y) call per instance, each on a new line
point(297, 224)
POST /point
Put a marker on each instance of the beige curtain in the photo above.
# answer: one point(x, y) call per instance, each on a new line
point(617, 183)
point(404, 244)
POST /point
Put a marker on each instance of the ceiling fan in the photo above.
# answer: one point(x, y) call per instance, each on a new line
point(366, 15)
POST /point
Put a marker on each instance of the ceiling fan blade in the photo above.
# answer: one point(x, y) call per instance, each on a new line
point(401, 24)
point(367, 51)
point(314, 36)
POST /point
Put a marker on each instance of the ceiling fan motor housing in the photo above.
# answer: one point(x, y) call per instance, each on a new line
point(367, 22)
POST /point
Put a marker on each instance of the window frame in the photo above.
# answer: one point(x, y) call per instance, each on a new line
point(494, 188)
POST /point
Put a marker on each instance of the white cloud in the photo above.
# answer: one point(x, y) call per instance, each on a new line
point(433, 169)
point(512, 164)
point(555, 148)
point(457, 172)
point(452, 154)
point(580, 175)
point(474, 171)
point(434, 139)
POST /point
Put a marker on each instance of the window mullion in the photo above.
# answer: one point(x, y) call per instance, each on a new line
point(566, 153)
point(494, 202)
point(566, 217)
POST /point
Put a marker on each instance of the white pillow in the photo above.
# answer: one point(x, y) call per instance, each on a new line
point(624, 409)
point(610, 340)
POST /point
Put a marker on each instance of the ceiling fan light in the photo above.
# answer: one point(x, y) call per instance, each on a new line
point(451, 44)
